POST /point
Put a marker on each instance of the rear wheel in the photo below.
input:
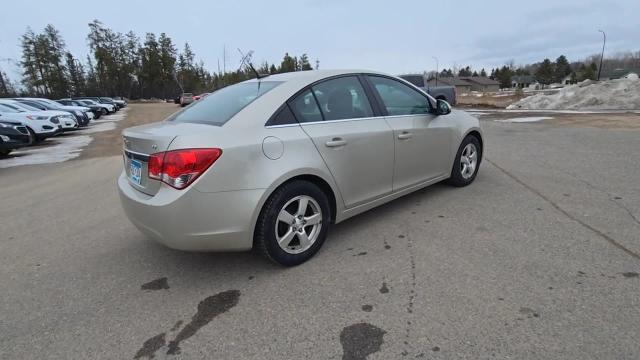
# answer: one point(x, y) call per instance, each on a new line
point(293, 223)
point(467, 162)
point(5, 152)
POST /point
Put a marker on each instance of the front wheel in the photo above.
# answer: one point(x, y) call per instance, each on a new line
point(467, 162)
point(293, 223)
point(34, 136)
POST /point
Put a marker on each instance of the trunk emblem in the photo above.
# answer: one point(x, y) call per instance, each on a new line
point(154, 146)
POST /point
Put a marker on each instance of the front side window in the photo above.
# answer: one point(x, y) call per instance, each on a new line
point(342, 98)
point(398, 98)
point(220, 106)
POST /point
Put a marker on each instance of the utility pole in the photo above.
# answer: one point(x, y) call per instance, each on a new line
point(437, 64)
point(604, 41)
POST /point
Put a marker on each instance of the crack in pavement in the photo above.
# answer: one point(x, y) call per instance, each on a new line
point(606, 237)
point(611, 197)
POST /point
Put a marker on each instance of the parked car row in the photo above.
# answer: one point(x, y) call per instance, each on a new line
point(24, 121)
point(187, 98)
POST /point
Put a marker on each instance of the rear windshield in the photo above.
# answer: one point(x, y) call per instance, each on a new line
point(220, 106)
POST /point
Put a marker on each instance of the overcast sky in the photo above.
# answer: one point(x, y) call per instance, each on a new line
point(392, 36)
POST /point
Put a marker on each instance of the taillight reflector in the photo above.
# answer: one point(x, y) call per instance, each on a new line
point(179, 168)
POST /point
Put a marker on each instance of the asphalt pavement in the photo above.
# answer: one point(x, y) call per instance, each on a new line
point(538, 259)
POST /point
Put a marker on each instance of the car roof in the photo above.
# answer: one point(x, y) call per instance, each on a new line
point(313, 75)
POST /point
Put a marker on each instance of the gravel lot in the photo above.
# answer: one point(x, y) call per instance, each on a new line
point(539, 258)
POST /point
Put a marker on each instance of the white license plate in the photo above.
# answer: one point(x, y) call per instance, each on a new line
point(135, 171)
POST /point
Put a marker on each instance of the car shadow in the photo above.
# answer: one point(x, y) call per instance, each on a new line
point(241, 265)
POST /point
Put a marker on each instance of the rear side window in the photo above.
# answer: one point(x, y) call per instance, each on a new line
point(342, 98)
point(220, 106)
point(283, 117)
point(305, 107)
point(398, 98)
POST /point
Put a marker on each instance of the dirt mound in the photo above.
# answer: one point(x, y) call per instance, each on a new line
point(620, 94)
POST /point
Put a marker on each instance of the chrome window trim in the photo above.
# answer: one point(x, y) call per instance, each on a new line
point(345, 120)
point(328, 121)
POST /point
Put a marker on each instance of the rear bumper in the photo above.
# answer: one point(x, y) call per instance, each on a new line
point(190, 220)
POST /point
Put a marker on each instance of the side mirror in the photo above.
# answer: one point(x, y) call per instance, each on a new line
point(442, 107)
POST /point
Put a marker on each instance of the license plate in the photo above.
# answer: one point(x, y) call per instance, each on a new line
point(135, 171)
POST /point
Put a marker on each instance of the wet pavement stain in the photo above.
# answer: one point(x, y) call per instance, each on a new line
point(208, 309)
point(529, 312)
point(360, 340)
point(630, 274)
point(367, 308)
point(251, 277)
point(441, 216)
point(435, 348)
point(157, 284)
point(401, 236)
point(386, 245)
point(150, 347)
point(384, 289)
point(177, 325)
point(361, 253)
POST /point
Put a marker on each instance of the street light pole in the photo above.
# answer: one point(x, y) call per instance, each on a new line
point(604, 41)
point(436, 59)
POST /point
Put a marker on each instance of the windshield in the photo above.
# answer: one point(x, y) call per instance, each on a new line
point(9, 109)
point(25, 106)
point(220, 106)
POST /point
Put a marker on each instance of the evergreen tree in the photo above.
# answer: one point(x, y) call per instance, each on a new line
point(465, 71)
point(288, 64)
point(76, 76)
point(545, 72)
point(562, 69)
point(483, 73)
point(303, 63)
point(503, 75)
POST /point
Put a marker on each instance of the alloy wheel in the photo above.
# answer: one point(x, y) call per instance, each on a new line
point(468, 161)
point(298, 224)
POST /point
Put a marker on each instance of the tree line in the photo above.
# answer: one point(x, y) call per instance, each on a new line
point(548, 72)
point(123, 65)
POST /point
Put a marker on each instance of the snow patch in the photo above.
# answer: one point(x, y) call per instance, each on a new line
point(525, 119)
point(620, 94)
point(62, 149)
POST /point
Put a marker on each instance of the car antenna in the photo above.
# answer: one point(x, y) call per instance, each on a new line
point(246, 61)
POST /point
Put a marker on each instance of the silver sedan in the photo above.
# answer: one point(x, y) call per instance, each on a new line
point(273, 162)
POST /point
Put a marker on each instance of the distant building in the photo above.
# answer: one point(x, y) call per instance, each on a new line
point(482, 83)
point(523, 81)
point(462, 86)
point(617, 74)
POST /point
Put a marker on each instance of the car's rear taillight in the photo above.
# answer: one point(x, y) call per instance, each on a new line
point(179, 168)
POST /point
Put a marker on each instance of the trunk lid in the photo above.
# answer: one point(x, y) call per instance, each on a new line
point(142, 141)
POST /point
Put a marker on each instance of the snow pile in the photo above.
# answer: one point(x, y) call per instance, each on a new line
point(619, 94)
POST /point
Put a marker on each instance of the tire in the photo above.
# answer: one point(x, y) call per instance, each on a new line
point(5, 152)
point(270, 225)
point(34, 136)
point(461, 176)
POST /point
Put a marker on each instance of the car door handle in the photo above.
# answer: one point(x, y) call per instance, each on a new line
point(336, 142)
point(405, 135)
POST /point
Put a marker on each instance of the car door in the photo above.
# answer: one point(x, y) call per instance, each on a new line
point(422, 140)
point(356, 145)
